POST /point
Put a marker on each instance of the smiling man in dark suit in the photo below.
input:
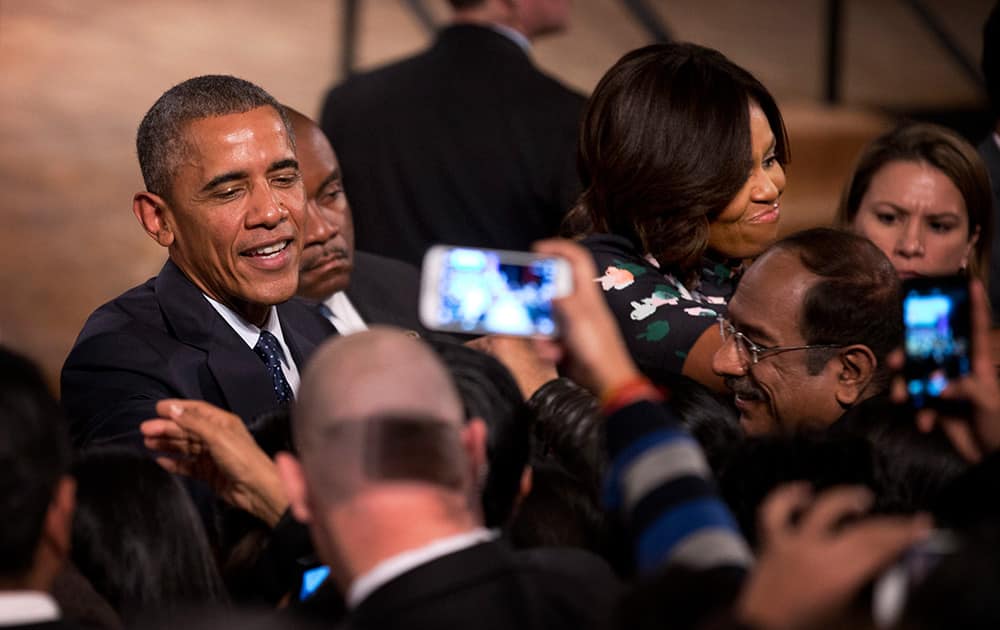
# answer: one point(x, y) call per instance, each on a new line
point(466, 143)
point(224, 196)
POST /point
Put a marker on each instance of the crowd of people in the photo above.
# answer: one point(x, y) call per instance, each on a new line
point(265, 435)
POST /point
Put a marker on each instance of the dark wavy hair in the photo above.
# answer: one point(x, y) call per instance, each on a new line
point(665, 146)
point(946, 151)
point(489, 391)
point(139, 539)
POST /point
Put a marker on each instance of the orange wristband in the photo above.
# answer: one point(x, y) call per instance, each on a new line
point(632, 390)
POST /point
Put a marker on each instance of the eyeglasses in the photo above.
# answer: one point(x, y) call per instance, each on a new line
point(752, 352)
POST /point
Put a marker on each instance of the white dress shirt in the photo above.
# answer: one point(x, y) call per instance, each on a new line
point(20, 608)
point(342, 314)
point(250, 333)
point(397, 565)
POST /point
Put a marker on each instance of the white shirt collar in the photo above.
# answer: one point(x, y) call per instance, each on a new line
point(27, 607)
point(342, 314)
point(249, 333)
point(397, 565)
point(513, 35)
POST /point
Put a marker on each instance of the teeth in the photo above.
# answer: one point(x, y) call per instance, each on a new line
point(271, 249)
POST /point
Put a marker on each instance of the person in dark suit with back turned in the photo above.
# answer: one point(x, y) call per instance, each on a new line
point(225, 196)
point(353, 288)
point(467, 143)
point(385, 477)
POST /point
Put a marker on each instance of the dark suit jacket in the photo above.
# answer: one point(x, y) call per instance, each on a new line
point(492, 586)
point(385, 291)
point(991, 156)
point(467, 143)
point(160, 340)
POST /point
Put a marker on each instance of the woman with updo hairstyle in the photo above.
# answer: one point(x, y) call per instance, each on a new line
point(682, 156)
point(922, 194)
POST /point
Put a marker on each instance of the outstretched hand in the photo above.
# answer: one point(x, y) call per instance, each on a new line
point(590, 343)
point(978, 435)
point(818, 552)
point(204, 442)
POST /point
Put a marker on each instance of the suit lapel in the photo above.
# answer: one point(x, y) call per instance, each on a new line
point(237, 371)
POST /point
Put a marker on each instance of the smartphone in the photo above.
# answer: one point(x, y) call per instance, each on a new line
point(937, 335)
point(485, 292)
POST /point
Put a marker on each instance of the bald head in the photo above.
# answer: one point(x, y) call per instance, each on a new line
point(380, 372)
point(378, 407)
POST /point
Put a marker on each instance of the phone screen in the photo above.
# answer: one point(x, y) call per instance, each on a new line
point(312, 579)
point(937, 335)
point(478, 291)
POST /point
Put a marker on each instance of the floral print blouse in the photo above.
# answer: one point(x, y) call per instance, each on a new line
point(660, 318)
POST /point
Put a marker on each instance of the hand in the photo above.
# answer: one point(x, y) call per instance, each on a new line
point(979, 435)
point(521, 357)
point(812, 566)
point(590, 341)
point(214, 446)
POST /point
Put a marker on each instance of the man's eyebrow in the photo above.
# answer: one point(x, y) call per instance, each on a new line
point(283, 164)
point(224, 178)
point(755, 333)
point(334, 176)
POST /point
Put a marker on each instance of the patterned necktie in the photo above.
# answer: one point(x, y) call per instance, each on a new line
point(269, 351)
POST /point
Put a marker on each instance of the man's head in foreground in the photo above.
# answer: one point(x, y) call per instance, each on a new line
point(328, 232)
point(808, 331)
point(36, 493)
point(223, 191)
point(384, 462)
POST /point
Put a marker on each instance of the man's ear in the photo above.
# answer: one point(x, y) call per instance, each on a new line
point(154, 215)
point(293, 480)
point(58, 527)
point(474, 441)
point(855, 370)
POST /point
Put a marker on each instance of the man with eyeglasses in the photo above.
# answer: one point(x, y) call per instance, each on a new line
point(808, 330)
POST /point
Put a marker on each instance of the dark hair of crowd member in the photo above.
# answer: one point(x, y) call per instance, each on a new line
point(913, 468)
point(665, 146)
point(489, 391)
point(761, 464)
point(139, 539)
point(34, 454)
point(567, 464)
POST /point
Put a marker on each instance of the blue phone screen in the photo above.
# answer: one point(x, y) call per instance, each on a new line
point(937, 339)
point(479, 293)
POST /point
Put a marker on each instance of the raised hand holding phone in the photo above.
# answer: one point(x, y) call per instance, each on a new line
point(977, 434)
point(482, 291)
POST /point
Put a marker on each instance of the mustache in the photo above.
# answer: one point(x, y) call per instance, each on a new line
point(320, 251)
point(744, 388)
